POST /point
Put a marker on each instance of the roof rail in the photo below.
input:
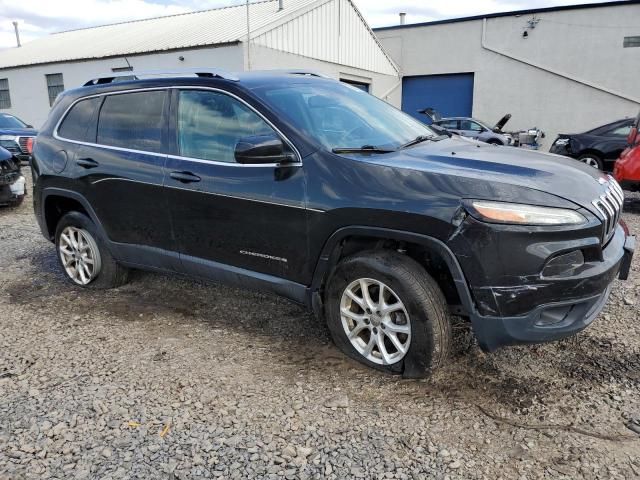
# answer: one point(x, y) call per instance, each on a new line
point(310, 73)
point(199, 72)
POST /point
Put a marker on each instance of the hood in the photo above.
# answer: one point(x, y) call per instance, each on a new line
point(501, 123)
point(19, 132)
point(544, 172)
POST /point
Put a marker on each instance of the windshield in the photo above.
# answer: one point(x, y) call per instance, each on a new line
point(9, 121)
point(339, 116)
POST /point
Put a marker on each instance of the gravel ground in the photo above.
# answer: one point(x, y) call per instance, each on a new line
point(173, 379)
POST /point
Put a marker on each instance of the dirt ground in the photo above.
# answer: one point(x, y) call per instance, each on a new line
point(173, 379)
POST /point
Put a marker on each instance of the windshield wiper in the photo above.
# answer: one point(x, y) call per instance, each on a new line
point(415, 141)
point(364, 148)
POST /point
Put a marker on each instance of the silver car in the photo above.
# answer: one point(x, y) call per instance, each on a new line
point(476, 129)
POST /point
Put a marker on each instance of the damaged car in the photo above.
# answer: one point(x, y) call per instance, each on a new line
point(296, 184)
point(12, 182)
point(599, 147)
point(479, 130)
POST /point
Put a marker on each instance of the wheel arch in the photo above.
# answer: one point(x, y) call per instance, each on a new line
point(56, 202)
point(376, 237)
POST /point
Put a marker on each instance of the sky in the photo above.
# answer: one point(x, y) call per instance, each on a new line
point(37, 18)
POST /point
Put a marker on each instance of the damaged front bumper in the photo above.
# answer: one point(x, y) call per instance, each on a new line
point(543, 309)
point(12, 188)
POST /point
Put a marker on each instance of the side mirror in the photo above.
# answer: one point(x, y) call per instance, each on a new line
point(260, 149)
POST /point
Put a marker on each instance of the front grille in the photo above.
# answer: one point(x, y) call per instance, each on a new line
point(609, 207)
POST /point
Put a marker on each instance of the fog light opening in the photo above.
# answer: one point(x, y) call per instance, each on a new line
point(565, 265)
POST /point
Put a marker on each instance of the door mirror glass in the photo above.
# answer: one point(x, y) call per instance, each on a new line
point(261, 149)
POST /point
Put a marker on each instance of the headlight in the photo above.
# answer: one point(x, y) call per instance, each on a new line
point(562, 141)
point(516, 213)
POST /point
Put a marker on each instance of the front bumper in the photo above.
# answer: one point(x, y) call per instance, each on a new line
point(11, 191)
point(554, 320)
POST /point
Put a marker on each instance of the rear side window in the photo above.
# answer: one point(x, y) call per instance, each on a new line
point(133, 121)
point(76, 124)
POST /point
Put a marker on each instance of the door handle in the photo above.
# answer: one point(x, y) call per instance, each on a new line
point(185, 177)
point(87, 163)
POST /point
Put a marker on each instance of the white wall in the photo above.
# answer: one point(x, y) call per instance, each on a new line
point(28, 86)
point(584, 44)
point(264, 58)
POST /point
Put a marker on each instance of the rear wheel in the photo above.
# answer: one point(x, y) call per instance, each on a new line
point(83, 256)
point(384, 310)
point(592, 160)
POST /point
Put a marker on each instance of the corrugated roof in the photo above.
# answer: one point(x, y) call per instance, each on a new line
point(187, 30)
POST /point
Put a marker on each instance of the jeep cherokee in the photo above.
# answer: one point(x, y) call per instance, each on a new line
point(300, 185)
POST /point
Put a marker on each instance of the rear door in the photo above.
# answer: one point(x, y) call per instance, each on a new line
point(121, 167)
point(225, 213)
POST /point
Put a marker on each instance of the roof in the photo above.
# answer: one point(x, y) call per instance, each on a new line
point(217, 26)
point(512, 13)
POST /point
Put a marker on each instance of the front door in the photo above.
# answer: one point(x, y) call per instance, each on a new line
point(227, 214)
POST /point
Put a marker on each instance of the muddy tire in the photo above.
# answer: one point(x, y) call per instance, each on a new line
point(384, 310)
point(83, 256)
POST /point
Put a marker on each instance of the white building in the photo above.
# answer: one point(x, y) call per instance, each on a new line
point(328, 36)
point(563, 69)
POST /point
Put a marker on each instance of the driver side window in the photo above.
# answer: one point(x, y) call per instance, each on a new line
point(210, 124)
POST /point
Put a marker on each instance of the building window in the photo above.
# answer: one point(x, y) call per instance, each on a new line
point(631, 42)
point(360, 85)
point(5, 98)
point(55, 85)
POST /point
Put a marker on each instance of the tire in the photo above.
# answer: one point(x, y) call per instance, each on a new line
point(494, 141)
point(422, 308)
point(104, 272)
point(592, 160)
point(17, 202)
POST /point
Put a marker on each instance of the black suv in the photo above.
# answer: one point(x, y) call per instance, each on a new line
point(303, 186)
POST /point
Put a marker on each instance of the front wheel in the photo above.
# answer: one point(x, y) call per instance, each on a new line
point(592, 160)
point(385, 310)
point(83, 256)
point(494, 141)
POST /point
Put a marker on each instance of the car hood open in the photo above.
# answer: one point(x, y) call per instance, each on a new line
point(553, 174)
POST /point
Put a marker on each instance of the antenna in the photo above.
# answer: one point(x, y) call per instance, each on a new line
point(15, 27)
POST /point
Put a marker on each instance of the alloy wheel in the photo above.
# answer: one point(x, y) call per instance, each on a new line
point(375, 321)
point(79, 254)
point(592, 162)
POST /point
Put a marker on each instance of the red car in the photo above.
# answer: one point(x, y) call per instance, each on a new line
point(627, 168)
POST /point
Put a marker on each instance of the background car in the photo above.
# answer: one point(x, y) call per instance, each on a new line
point(598, 148)
point(471, 127)
point(14, 136)
point(627, 168)
point(12, 182)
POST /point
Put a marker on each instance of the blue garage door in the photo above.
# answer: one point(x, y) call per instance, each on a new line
point(451, 95)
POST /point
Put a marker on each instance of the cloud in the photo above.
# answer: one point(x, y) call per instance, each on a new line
point(37, 18)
